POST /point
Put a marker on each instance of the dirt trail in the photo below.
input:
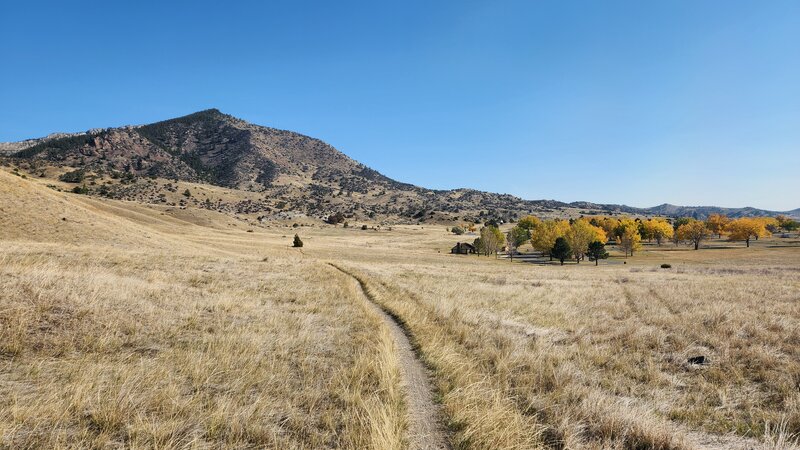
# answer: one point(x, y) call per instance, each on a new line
point(425, 430)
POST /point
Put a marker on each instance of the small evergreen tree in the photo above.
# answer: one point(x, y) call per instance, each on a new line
point(187, 193)
point(297, 242)
point(561, 250)
point(597, 251)
point(334, 218)
point(76, 176)
point(80, 189)
point(478, 244)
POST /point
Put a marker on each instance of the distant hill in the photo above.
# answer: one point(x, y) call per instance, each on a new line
point(293, 172)
point(704, 211)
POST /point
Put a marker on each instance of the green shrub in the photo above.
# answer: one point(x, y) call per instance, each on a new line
point(76, 176)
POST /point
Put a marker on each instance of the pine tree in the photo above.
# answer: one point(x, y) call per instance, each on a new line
point(297, 242)
point(561, 250)
point(597, 251)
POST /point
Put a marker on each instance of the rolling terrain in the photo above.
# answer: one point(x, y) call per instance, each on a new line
point(128, 324)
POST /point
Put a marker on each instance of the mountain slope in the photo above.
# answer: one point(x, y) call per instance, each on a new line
point(291, 172)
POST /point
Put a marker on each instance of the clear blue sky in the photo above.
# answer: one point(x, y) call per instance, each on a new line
point(636, 102)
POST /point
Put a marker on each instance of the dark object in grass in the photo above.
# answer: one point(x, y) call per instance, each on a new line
point(697, 360)
point(666, 266)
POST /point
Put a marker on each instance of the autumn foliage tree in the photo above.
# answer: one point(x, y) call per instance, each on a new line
point(717, 223)
point(694, 231)
point(630, 241)
point(491, 240)
point(771, 224)
point(658, 229)
point(582, 233)
point(627, 236)
point(677, 239)
point(608, 225)
point(529, 222)
point(544, 236)
point(745, 229)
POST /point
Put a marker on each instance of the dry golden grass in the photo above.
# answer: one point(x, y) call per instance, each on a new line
point(188, 351)
point(584, 356)
point(136, 326)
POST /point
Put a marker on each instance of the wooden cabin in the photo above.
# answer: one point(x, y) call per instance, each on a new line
point(463, 248)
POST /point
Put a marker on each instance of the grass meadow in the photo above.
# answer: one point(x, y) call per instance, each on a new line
point(128, 326)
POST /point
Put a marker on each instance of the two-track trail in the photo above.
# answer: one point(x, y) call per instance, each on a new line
point(425, 428)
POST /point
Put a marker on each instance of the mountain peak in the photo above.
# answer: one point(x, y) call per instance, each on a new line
point(212, 115)
point(275, 171)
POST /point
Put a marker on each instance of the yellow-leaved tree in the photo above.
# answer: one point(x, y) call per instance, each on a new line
point(582, 233)
point(659, 229)
point(529, 222)
point(608, 225)
point(771, 224)
point(745, 229)
point(717, 223)
point(630, 241)
point(544, 236)
point(627, 235)
point(694, 231)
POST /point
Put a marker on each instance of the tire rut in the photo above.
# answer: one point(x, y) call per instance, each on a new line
point(425, 429)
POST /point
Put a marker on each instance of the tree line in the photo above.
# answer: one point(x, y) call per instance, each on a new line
point(586, 237)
